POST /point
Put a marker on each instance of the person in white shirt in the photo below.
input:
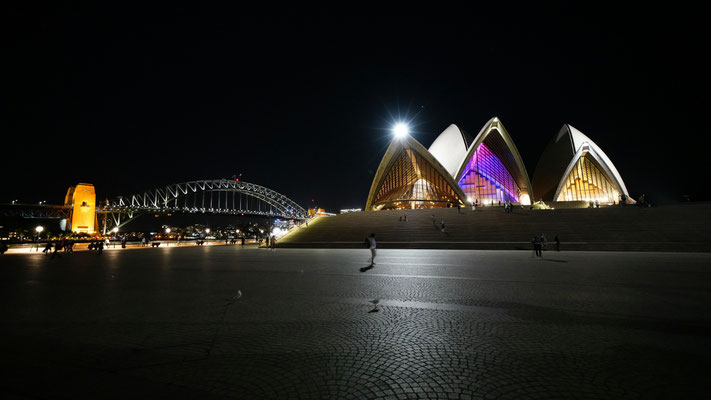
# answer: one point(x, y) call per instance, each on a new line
point(371, 246)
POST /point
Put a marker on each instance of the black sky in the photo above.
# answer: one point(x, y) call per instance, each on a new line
point(302, 103)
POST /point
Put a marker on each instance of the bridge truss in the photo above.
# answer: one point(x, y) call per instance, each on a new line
point(216, 196)
point(35, 211)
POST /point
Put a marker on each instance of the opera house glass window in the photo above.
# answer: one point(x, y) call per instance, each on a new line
point(586, 182)
point(486, 179)
point(412, 182)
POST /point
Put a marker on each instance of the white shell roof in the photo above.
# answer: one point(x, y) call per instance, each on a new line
point(579, 139)
point(450, 149)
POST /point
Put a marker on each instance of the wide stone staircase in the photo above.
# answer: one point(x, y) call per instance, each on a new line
point(675, 227)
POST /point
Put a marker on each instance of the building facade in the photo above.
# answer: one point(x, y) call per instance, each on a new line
point(456, 170)
point(487, 169)
point(410, 177)
point(573, 168)
point(82, 198)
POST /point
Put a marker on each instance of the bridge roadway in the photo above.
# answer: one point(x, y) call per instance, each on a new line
point(234, 322)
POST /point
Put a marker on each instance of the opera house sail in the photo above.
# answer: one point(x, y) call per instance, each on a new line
point(492, 170)
point(574, 168)
point(410, 177)
point(487, 169)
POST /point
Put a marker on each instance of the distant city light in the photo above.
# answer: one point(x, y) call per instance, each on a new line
point(401, 130)
point(207, 230)
point(167, 230)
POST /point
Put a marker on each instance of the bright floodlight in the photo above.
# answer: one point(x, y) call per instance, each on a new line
point(401, 130)
point(39, 229)
point(207, 230)
point(115, 229)
point(167, 230)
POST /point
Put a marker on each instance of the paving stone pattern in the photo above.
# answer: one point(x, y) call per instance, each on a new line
point(451, 324)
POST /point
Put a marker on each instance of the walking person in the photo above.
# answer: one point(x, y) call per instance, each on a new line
point(370, 242)
point(442, 226)
point(557, 243)
point(543, 241)
point(268, 237)
point(57, 247)
point(273, 242)
point(123, 242)
point(100, 246)
point(405, 218)
point(47, 248)
point(537, 248)
point(434, 220)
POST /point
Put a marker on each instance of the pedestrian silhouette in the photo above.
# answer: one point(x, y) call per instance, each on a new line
point(47, 248)
point(537, 248)
point(370, 241)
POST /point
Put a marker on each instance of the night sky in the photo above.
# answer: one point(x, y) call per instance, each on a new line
point(303, 103)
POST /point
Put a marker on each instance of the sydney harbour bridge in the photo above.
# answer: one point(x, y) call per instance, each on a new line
point(209, 196)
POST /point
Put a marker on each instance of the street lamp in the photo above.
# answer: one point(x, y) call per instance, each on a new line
point(167, 230)
point(39, 230)
point(401, 130)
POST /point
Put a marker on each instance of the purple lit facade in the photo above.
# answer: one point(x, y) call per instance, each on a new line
point(486, 180)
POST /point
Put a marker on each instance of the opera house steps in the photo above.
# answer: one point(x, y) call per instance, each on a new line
point(677, 227)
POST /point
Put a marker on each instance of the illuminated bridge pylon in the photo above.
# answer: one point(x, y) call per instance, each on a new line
point(213, 196)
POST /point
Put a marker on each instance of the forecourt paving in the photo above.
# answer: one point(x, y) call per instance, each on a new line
point(233, 322)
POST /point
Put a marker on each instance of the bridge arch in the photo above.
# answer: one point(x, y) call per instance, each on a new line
point(217, 196)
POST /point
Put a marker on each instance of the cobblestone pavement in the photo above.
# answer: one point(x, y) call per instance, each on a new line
point(232, 322)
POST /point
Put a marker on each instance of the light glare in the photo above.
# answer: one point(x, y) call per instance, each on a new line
point(401, 130)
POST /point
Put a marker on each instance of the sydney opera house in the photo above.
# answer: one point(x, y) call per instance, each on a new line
point(487, 169)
